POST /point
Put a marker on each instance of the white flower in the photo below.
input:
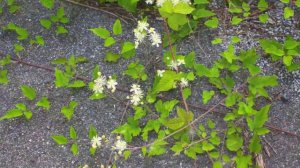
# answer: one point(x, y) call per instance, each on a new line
point(120, 145)
point(111, 84)
point(142, 26)
point(184, 82)
point(159, 3)
point(96, 141)
point(155, 38)
point(180, 62)
point(149, 2)
point(99, 83)
point(173, 65)
point(160, 73)
point(85, 166)
point(137, 94)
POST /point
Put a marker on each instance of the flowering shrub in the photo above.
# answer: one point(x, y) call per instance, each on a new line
point(172, 123)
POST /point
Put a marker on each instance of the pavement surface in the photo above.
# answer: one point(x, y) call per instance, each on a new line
point(28, 144)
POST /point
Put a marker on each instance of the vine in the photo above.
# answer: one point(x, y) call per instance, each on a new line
point(172, 123)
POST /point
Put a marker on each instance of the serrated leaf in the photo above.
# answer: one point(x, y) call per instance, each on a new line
point(174, 123)
point(61, 79)
point(288, 12)
point(43, 102)
point(139, 113)
point(255, 145)
point(217, 41)
point(101, 32)
point(73, 134)
point(68, 111)
point(28, 92)
point(112, 57)
point(74, 149)
point(28, 115)
point(203, 13)
point(212, 23)
point(236, 20)
point(187, 92)
point(207, 95)
point(92, 132)
point(60, 139)
point(183, 8)
point(47, 3)
point(3, 77)
point(217, 164)
point(117, 27)
point(61, 30)
point(109, 42)
point(128, 50)
point(126, 154)
point(263, 18)
point(77, 84)
point(234, 142)
point(14, 113)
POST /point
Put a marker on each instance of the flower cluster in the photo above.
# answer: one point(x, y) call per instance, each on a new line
point(159, 3)
point(119, 145)
point(101, 82)
point(137, 95)
point(142, 31)
point(97, 141)
point(175, 63)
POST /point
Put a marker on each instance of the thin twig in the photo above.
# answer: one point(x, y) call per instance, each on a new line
point(99, 9)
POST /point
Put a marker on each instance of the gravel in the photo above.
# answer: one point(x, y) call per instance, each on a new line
point(28, 144)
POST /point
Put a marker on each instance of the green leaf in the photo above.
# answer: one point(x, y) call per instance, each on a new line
point(139, 113)
point(255, 145)
point(18, 48)
point(59, 61)
point(290, 43)
point(109, 41)
point(28, 92)
point(212, 23)
point(211, 124)
point(287, 60)
point(285, 1)
point(43, 102)
point(39, 40)
point(217, 41)
point(68, 111)
point(288, 12)
point(129, 5)
point(77, 84)
point(187, 92)
point(157, 148)
point(297, 3)
point(263, 18)
point(28, 115)
point(243, 161)
point(47, 3)
point(175, 123)
point(217, 164)
point(112, 57)
point(207, 146)
point(203, 13)
point(5, 61)
point(73, 134)
point(61, 30)
point(129, 130)
point(128, 50)
point(61, 79)
point(183, 8)
point(60, 139)
point(101, 32)
point(92, 132)
point(236, 20)
point(117, 27)
point(235, 39)
point(262, 5)
point(136, 71)
point(3, 77)
point(261, 117)
point(234, 142)
point(207, 95)
point(126, 154)
point(74, 149)
point(14, 113)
